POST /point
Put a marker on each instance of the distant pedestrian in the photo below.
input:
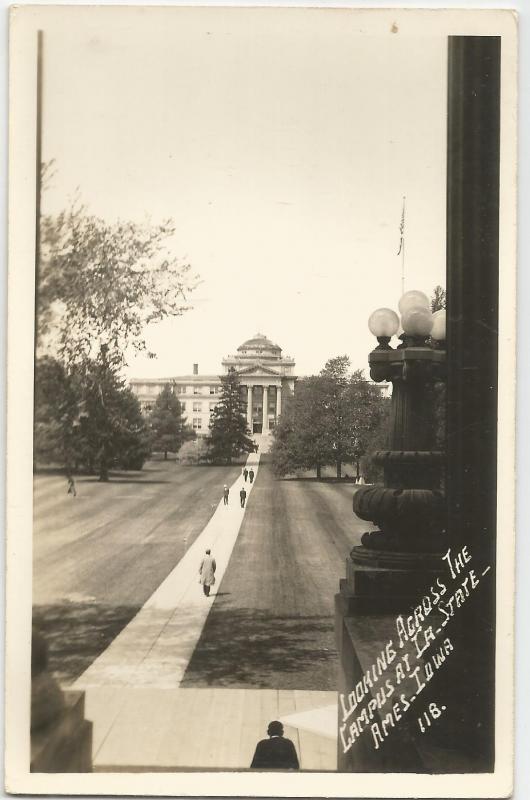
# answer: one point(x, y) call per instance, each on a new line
point(226, 492)
point(251, 475)
point(245, 474)
point(276, 752)
point(71, 486)
point(242, 497)
point(207, 572)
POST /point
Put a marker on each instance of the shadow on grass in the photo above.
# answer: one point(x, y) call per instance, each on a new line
point(77, 633)
point(249, 647)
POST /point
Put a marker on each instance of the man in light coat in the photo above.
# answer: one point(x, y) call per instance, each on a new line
point(207, 572)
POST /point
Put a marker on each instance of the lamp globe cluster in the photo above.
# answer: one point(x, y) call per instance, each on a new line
point(416, 324)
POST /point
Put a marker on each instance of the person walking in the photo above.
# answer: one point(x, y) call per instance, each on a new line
point(276, 752)
point(207, 572)
point(245, 474)
point(71, 486)
point(226, 492)
point(251, 475)
point(243, 496)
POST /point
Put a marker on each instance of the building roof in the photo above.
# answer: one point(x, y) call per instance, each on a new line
point(179, 379)
point(259, 342)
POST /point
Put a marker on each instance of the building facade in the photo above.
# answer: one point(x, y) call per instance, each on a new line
point(265, 376)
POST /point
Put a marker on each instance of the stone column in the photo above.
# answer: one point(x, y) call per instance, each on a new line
point(278, 401)
point(265, 409)
point(249, 407)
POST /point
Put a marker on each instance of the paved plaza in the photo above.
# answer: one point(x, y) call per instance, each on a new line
point(173, 670)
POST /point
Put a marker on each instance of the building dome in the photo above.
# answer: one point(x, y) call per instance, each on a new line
point(259, 345)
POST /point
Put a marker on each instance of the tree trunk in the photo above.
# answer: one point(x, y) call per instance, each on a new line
point(319, 472)
point(358, 470)
point(339, 468)
point(104, 466)
point(165, 455)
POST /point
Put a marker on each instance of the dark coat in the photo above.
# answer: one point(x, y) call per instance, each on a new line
point(275, 753)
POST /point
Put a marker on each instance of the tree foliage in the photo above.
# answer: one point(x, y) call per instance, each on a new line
point(328, 421)
point(100, 284)
point(87, 418)
point(57, 404)
point(113, 428)
point(229, 434)
point(168, 425)
point(438, 299)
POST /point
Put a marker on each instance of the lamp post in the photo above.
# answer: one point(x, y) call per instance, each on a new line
point(409, 509)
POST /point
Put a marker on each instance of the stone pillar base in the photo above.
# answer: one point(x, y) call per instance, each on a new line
point(64, 744)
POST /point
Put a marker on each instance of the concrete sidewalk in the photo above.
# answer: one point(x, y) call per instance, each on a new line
point(143, 721)
point(154, 649)
point(152, 730)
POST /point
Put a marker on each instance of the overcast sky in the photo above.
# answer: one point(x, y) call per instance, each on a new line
point(280, 142)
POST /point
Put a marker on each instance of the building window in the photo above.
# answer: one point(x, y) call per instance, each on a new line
point(197, 406)
point(197, 423)
point(180, 389)
point(196, 390)
point(214, 389)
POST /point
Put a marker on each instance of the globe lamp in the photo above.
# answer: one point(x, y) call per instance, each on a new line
point(383, 323)
point(438, 325)
point(413, 299)
point(417, 323)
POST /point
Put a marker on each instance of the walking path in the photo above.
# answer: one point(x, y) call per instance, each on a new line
point(143, 720)
point(154, 649)
point(150, 730)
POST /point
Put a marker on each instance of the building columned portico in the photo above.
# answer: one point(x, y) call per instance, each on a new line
point(265, 375)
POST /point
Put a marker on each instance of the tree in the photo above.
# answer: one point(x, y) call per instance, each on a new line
point(101, 284)
point(57, 405)
point(300, 436)
point(114, 431)
point(328, 422)
point(87, 418)
point(229, 434)
point(168, 425)
point(438, 299)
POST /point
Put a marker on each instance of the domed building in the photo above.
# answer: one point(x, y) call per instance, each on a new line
point(265, 374)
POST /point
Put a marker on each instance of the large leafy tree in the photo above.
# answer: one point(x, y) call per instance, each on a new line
point(300, 436)
point(87, 418)
point(168, 424)
point(229, 433)
point(99, 285)
point(329, 421)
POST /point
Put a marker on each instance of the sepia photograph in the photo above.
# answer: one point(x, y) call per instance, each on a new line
point(261, 401)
